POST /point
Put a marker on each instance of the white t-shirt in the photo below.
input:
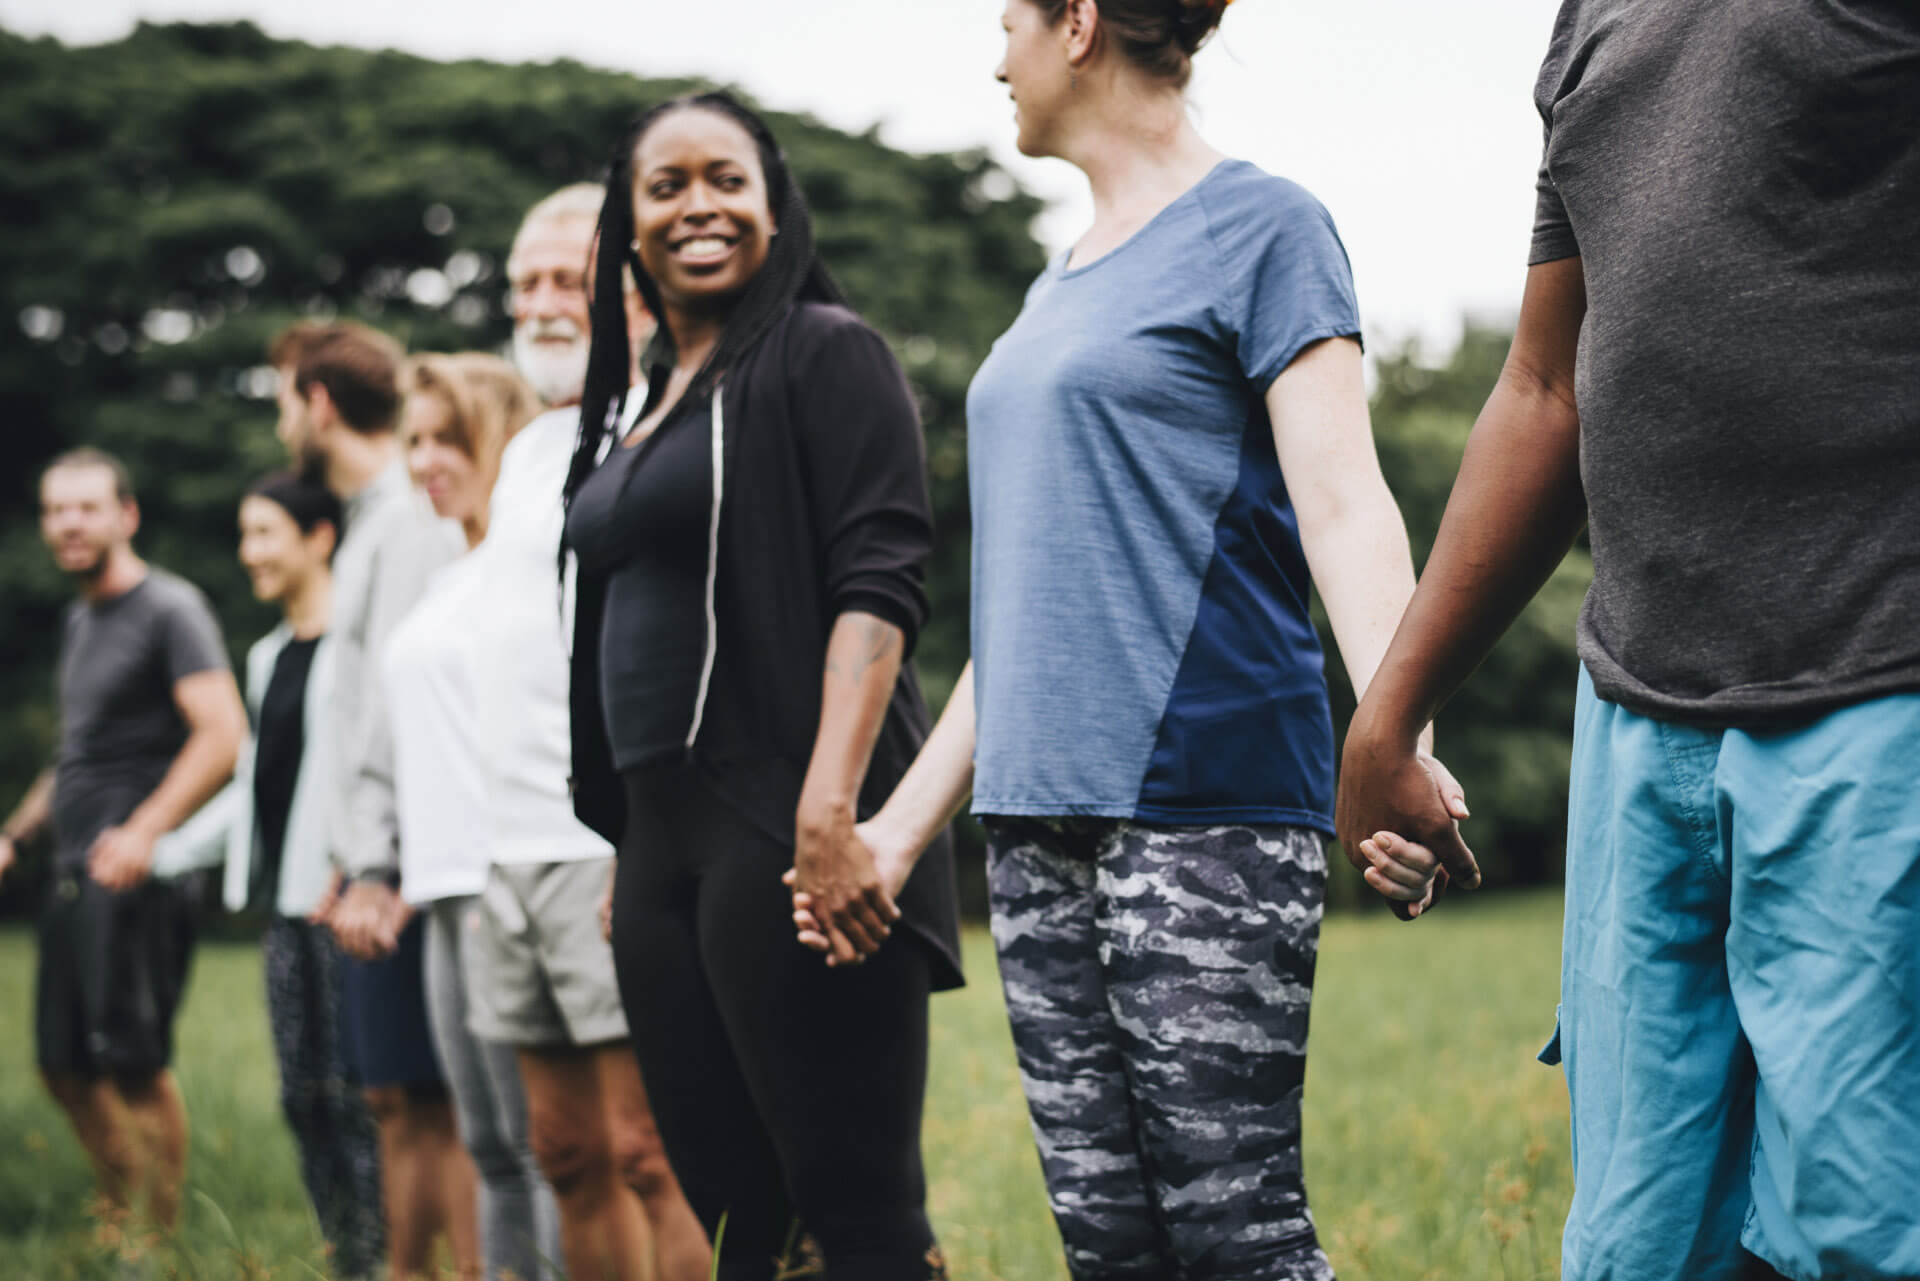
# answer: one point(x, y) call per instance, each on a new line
point(521, 655)
point(431, 670)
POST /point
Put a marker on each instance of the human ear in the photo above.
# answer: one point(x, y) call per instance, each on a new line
point(1080, 28)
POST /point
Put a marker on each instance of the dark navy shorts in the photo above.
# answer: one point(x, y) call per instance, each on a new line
point(384, 1037)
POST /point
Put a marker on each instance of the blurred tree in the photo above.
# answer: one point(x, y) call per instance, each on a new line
point(171, 200)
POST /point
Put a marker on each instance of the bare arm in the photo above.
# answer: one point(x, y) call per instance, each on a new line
point(829, 862)
point(1350, 527)
point(209, 703)
point(27, 819)
point(923, 802)
point(33, 812)
point(1515, 510)
point(1355, 543)
point(932, 791)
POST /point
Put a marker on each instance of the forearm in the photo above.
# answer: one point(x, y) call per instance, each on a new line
point(204, 763)
point(1515, 510)
point(940, 780)
point(201, 841)
point(33, 812)
point(862, 666)
point(1363, 567)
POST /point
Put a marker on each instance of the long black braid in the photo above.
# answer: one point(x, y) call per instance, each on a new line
point(792, 272)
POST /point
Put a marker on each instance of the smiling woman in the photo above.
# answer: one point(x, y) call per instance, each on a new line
point(750, 589)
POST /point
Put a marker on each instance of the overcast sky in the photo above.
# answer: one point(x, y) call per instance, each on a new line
point(1411, 119)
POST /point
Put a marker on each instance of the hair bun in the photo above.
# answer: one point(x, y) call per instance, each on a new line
point(1198, 18)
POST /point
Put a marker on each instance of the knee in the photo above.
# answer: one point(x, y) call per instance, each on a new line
point(641, 1158)
point(572, 1156)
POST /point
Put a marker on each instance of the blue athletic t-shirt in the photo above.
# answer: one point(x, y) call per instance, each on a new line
point(1141, 639)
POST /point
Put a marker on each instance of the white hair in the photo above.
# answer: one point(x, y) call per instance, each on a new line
point(576, 200)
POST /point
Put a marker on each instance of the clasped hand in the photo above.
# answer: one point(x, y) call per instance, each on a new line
point(843, 880)
point(367, 919)
point(1399, 821)
point(121, 857)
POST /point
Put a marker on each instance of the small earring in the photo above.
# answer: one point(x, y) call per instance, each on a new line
point(1073, 81)
point(634, 245)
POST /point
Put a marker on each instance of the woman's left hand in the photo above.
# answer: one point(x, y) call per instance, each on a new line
point(837, 872)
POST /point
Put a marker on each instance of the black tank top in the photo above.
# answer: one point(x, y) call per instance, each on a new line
point(280, 741)
point(643, 519)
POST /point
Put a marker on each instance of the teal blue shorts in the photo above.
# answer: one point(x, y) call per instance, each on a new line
point(1740, 996)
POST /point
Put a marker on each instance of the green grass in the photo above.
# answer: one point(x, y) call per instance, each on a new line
point(1436, 1147)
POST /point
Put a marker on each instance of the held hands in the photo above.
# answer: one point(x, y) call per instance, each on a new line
point(1398, 819)
point(368, 919)
point(844, 879)
point(121, 857)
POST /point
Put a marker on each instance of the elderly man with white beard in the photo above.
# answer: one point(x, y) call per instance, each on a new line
point(547, 274)
point(540, 974)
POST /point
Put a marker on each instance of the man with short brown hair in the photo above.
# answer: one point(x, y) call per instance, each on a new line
point(339, 401)
point(151, 724)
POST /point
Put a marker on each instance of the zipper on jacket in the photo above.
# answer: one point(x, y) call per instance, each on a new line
point(713, 566)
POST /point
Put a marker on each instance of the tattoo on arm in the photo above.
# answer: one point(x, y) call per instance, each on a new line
point(876, 639)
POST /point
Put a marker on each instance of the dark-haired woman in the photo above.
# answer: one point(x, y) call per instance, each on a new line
point(1167, 449)
point(750, 556)
point(269, 828)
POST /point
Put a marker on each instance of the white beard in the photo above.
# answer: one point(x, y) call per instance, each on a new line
point(558, 374)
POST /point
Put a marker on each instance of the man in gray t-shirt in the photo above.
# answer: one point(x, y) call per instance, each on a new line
point(1717, 370)
point(151, 723)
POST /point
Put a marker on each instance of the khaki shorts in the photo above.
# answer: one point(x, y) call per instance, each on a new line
point(538, 972)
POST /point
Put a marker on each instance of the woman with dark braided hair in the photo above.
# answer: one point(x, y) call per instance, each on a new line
point(750, 556)
point(1168, 450)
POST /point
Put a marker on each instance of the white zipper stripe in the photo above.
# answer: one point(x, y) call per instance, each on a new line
point(713, 569)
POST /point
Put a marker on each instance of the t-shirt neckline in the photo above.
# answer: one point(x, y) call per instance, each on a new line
point(1062, 271)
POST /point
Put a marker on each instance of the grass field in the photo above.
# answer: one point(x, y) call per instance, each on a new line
point(1436, 1147)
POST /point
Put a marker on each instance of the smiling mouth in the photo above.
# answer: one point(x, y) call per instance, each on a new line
point(704, 250)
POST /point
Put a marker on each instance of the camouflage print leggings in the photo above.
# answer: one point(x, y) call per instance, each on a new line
point(1158, 980)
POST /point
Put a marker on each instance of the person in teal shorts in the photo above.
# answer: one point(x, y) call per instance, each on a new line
point(1717, 372)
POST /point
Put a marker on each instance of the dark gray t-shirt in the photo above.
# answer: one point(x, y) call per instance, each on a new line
point(119, 727)
point(1742, 185)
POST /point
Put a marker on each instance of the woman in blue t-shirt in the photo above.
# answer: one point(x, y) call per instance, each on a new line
point(1168, 450)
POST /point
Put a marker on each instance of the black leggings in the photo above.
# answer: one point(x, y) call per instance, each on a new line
point(781, 1087)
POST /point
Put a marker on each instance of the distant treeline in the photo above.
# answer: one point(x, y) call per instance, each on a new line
point(172, 199)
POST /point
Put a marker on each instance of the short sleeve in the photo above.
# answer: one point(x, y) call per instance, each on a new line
point(1553, 237)
point(190, 640)
point(1289, 279)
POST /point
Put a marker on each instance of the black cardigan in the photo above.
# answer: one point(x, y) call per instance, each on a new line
point(824, 509)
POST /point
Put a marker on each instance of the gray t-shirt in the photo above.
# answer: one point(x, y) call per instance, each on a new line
point(119, 726)
point(1742, 185)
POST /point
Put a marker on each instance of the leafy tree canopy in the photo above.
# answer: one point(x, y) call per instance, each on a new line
point(172, 199)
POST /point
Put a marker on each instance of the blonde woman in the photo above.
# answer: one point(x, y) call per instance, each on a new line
point(458, 413)
point(521, 988)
